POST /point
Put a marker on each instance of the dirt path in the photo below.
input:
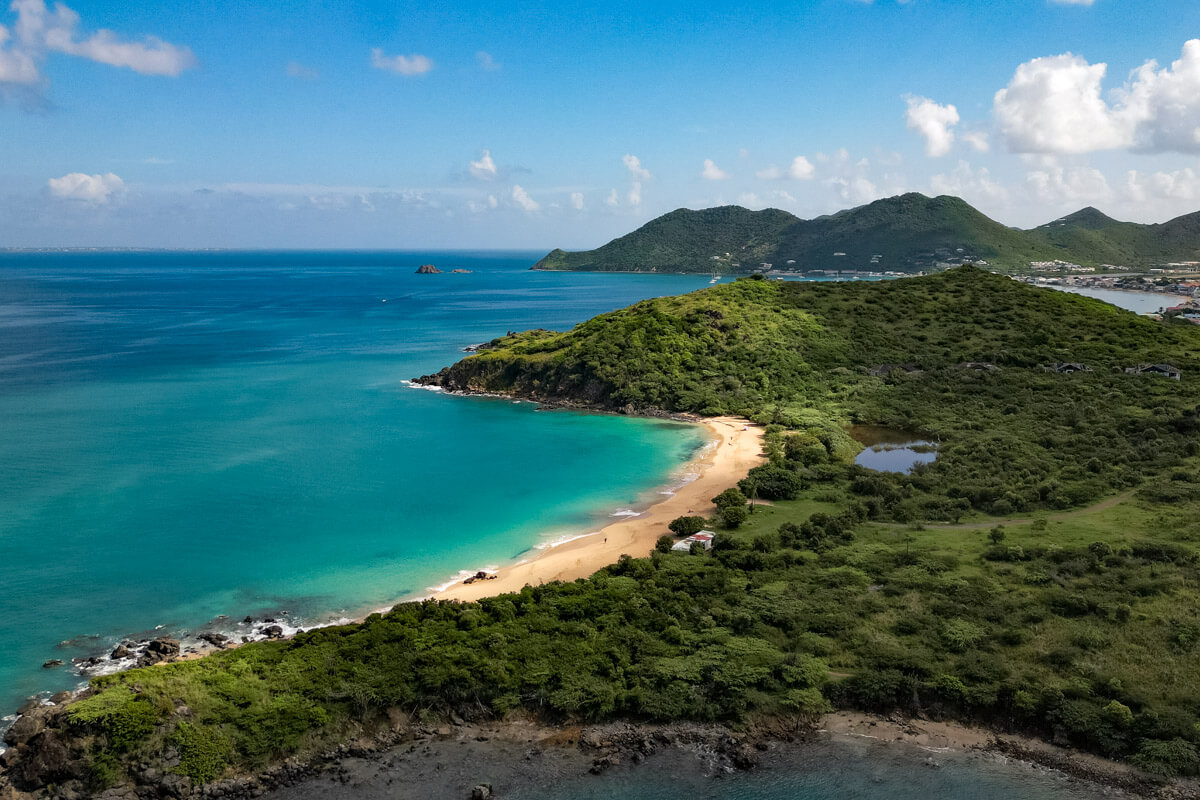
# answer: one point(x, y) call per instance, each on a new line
point(1103, 505)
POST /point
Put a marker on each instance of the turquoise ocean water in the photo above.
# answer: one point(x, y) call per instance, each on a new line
point(189, 435)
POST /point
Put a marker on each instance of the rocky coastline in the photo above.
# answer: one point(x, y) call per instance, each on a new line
point(451, 757)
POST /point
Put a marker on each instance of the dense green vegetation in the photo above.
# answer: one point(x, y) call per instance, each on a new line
point(1037, 611)
point(907, 233)
point(1090, 237)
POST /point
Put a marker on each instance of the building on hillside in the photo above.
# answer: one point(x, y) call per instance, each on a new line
point(1165, 370)
point(1067, 368)
point(703, 537)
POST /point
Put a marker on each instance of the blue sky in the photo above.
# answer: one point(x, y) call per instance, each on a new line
point(479, 125)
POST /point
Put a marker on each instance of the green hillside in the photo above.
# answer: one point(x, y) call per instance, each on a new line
point(685, 241)
point(908, 233)
point(742, 347)
point(1042, 575)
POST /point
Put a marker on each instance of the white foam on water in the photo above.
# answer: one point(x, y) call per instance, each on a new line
point(626, 513)
point(411, 385)
point(559, 542)
point(459, 577)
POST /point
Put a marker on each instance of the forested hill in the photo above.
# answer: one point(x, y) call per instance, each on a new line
point(1075, 617)
point(907, 233)
point(748, 346)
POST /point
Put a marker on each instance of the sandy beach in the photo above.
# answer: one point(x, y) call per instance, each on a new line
point(738, 449)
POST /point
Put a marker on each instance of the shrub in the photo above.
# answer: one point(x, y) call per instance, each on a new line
point(734, 516)
point(686, 526)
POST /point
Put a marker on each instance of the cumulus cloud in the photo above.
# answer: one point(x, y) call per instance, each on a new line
point(1183, 184)
point(486, 62)
point(297, 70)
point(612, 199)
point(634, 165)
point(38, 28)
point(967, 182)
point(522, 198)
point(1053, 105)
point(857, 190)
point(577, 201)
point(1056, 105)
point(401, 65)
point(39, 31)
point(771, 173)
point(89, 188)
point(801, 169)
point(484, 168)
point(712, 172)
point(16, 65)
point(635, 193)
point(1063, 186)
point(935, 123)
point(978, 141)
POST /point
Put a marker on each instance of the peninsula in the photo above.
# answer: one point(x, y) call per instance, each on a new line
point(1040, 576)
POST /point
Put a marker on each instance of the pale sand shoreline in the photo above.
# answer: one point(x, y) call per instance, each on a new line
point(738, 449)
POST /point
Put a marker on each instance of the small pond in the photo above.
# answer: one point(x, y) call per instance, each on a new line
point(890, 450)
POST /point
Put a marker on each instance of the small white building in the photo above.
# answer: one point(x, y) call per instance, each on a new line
point(704, 537)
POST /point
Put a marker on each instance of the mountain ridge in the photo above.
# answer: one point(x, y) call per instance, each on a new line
point(905, 233)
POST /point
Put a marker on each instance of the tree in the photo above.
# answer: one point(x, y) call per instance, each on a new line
point(996, 534)
point(734, 516)
point(729, 497)
point(664, 543)
point(686, 526)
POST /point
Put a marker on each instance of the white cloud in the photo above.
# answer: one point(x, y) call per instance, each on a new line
point(522, 198)
point(634, 165)
point(577, 201)
point(492, 201)
point(90, 188)
point(968, 183)
point(39, 31)
point(635, 193)
point(712, 172)
point(612, 199)
point(1074, 186)
point(1055, 105)
point(37, 27)
point(857, 190)
point(801, 169)
point(1183, 184)
point(486, 62)
point(297, 70)
point(932, 121)
point(749, 200)
point(401, 65)
point(978, 141)
point(484, 168)
point(16, 65)
point(771, 173)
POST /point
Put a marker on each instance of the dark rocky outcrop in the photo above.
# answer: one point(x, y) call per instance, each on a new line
point(158, 651)
point(428, 269)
